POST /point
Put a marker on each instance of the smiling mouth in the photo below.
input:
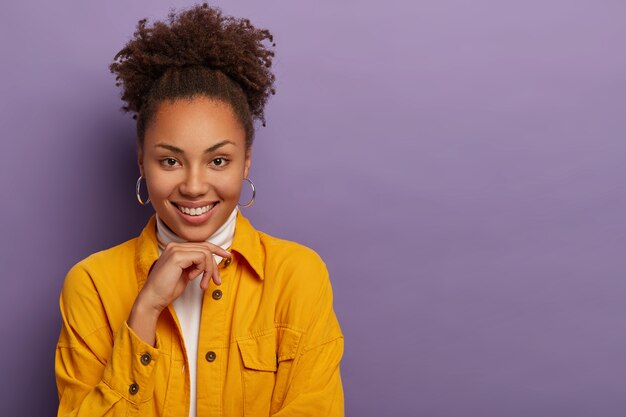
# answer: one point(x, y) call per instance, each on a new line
point(195, 211)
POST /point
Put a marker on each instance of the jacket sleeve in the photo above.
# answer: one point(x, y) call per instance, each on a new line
point(314, 387)
point(99, 372)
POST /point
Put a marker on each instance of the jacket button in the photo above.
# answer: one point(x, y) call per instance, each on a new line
point(217, 294)
point(133, 388)
point(210, 356)
point(227, 261)
point(146, 359)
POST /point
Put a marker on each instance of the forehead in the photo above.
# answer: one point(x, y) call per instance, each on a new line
point(194, 124)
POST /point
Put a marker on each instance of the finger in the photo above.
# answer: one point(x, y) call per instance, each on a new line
point(216, 272)
point(211, 271)
point(216, 249)
point(205, 247)
point(222, 252)
point(194, 272)
point(187, 259)
point(192, 263)
point(204, 284)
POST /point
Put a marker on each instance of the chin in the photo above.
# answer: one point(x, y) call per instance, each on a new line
point(197, 236)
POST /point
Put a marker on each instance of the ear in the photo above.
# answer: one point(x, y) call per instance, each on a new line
point(140, 161)
point(247, 162)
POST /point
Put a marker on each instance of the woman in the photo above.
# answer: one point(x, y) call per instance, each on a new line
point(200, 315)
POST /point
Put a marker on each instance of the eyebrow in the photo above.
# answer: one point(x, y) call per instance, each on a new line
point(181, 152)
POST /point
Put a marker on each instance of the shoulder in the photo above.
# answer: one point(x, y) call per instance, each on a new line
point(100, 288)
point(104, 260)
point(119, 259)
point(264, 251)
point(290, 254)
point(99, 271)
point(293, 267)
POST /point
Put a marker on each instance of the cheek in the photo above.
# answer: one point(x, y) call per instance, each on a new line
point(160, 186)
point(229, 187)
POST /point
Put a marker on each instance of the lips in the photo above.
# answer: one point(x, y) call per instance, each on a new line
point(194, 211)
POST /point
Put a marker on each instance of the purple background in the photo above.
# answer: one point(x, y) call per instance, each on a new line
point(458, 164)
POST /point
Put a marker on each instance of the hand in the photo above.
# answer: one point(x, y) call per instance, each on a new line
point(178, 265)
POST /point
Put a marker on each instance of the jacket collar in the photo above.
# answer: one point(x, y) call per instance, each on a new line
point(246, 243)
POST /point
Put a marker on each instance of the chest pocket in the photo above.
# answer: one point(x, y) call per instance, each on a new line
point(258, 356)
point(267, 365)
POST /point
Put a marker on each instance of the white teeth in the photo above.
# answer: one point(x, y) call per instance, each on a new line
point(195, 211)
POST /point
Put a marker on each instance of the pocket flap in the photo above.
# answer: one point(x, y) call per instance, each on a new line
point(259, 352)
point(289, 340)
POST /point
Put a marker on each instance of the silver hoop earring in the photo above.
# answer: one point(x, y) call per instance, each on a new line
point(253, 193)
point(137, 187)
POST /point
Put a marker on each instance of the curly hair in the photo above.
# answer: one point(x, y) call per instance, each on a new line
point(197, 52)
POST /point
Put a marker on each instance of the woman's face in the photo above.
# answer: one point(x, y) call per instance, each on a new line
point(194, 159)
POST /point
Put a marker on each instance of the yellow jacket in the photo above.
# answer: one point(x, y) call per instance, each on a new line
point(269, 340)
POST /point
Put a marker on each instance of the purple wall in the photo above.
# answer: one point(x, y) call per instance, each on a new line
point(459, 165)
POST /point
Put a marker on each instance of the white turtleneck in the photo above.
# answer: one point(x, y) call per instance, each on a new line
point(188, 306)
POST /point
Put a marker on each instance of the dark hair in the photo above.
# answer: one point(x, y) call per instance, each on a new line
point(197, 52)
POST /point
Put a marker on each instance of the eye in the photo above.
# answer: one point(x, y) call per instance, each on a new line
point(219, 162)
point(169, 162)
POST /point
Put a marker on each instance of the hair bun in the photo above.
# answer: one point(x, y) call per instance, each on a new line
point(200, 36)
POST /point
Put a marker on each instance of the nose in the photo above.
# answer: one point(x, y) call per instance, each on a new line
point(195, 183)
